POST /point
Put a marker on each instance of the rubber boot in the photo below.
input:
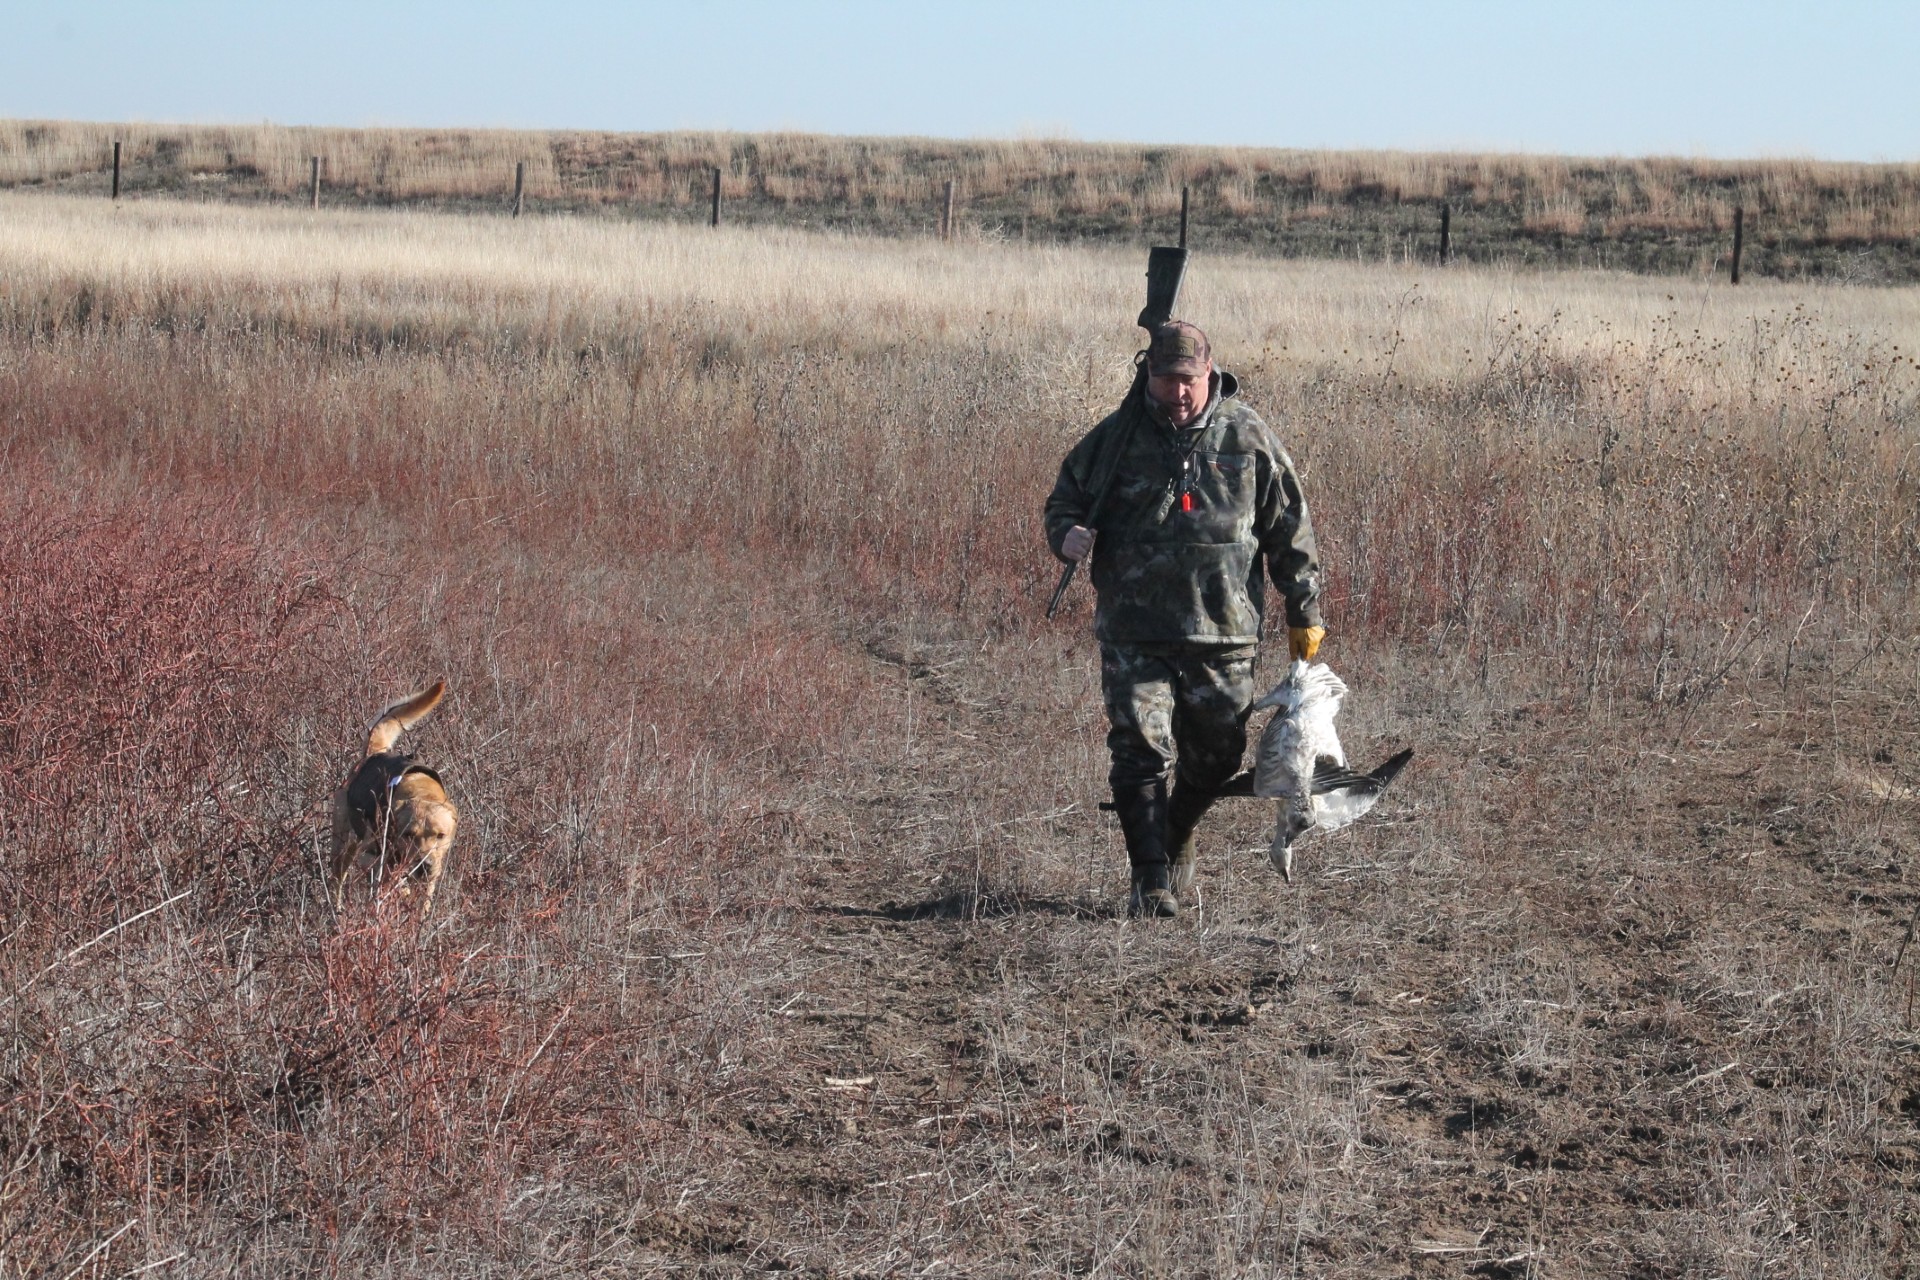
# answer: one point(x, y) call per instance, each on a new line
point(1184, 811)
point(1142, 810)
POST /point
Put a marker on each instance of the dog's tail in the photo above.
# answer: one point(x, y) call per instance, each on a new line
point(401, 716)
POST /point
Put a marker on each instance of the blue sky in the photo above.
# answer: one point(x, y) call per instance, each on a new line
point(1830, 78)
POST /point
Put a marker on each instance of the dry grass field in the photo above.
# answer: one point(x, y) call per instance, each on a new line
point(1835, 221)
point(782, 931)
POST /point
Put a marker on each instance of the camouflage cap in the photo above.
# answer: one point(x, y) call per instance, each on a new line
point(1178, 348)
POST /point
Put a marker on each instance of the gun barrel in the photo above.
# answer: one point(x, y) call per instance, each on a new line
point(1059, 592)
point(1166, 268)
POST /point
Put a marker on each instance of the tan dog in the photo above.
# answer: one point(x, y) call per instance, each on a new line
point(393, 814)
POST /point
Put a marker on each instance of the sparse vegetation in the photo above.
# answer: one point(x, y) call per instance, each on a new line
point(1844, 222)
point(782, 931)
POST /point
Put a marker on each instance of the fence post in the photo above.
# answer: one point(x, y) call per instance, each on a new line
point(315, 200)
point(116, 168)
point(1739, 217)
point(714, 221)
point(1446, 226)
point(946, 217)
point(519, 186)
point(1183, 217)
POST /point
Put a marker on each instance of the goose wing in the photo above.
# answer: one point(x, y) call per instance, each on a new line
point(1330, 776)
point(1341, 796)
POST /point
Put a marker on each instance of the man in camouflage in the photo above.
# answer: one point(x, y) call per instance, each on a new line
point(1191, 498)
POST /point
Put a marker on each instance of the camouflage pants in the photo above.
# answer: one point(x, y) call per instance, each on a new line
point(1168, 705)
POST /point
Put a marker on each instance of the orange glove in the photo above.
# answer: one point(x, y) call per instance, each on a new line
point(1304, 642)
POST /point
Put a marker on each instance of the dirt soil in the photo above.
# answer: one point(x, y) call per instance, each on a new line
point(1599, 990)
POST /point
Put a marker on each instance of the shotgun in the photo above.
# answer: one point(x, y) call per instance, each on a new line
point(1166, 267)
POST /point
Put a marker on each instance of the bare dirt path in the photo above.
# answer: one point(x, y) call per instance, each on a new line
point(1582, 1001)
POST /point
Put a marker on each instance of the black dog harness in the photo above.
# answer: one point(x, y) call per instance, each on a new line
point(375, 780)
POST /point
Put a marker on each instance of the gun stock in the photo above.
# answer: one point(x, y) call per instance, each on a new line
point(1166, 268)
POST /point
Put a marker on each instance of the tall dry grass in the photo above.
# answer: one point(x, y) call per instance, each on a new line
point(392, 163)
point(1704, 449)
point(729, 546)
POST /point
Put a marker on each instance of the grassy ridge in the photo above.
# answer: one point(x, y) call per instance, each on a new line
point(1856, 223)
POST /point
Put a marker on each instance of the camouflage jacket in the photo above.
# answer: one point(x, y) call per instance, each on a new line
point(1186, 524)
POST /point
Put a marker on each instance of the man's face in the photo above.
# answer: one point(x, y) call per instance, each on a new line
point(1182, 395)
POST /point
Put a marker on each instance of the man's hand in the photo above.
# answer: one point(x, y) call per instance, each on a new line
point(1077, 543)
point(1304, 642)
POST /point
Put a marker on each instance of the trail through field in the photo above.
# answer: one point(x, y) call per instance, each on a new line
point(1573, 1002)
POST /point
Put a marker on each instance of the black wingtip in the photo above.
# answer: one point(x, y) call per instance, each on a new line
point(1391, 769)
point(1329, 777)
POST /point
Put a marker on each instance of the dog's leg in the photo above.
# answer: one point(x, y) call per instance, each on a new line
point(346, 855)
point(434, 862)
point(424, 839)
point(337, 871)
point(345, 849)
point(433, 854)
